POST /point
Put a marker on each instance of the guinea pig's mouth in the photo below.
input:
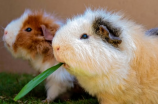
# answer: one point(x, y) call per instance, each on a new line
point(66, 66)
point(6, 44)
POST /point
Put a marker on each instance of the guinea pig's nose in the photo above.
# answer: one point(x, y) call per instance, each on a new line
point(5, 32)
point(57, 48)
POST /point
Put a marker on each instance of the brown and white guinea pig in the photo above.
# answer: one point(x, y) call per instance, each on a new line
point(29, 37)
point(153, 31)
point(110, 56)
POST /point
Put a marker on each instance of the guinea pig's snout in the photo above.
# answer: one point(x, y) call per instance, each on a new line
point(57, 53)
point(5, 32)
point(56, 48)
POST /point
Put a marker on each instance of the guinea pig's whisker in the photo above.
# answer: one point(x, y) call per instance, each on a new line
point(2, 27)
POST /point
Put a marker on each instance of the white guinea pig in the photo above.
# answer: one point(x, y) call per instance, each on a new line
point(29, 37)
point(110, 56)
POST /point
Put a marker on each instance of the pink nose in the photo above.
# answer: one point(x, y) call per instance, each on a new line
point(5, 32)
point(57, 48)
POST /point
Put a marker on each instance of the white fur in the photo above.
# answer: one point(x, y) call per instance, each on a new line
point(59, 81)
point(98, 66)
point(13, 29)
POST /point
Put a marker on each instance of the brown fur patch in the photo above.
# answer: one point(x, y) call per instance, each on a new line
point(34, 41)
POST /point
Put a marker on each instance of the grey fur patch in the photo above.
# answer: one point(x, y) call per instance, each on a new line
point(153, 31)
point(111, 29)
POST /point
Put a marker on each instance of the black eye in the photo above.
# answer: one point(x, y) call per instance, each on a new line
point(28, 29)
point(84, 36)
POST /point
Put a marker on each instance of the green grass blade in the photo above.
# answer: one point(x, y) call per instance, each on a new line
point(37, 80)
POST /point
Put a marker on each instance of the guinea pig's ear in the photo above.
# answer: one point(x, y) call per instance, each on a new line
point(107, 31)
point(47, 33)
point(109, 36)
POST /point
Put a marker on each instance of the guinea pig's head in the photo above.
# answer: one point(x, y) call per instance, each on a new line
point(30, 34)
point(94, 43)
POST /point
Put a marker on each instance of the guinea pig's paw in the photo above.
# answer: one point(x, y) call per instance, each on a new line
point(46, 101)
point(65, 97)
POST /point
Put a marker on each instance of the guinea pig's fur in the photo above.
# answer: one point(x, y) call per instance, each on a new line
point(110, 56)
point(153, 31)
point(29, 37)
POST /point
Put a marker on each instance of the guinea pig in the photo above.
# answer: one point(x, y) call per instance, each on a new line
point(153, 31)
point(29, 37)
point(110, 56)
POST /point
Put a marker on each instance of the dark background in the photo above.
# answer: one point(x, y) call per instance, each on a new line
point(144, 12)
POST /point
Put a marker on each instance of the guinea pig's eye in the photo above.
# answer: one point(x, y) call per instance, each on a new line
point(28, 29)
point(84, 36)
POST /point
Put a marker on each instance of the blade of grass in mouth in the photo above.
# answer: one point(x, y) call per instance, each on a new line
point(37, 80)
